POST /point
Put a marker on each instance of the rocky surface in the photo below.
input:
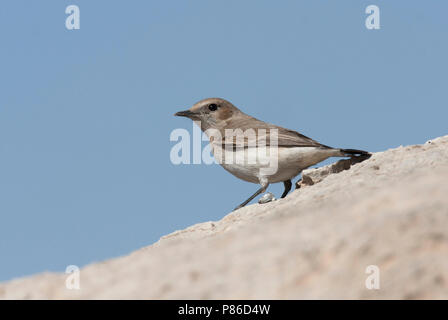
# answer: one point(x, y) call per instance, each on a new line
point(390, 211)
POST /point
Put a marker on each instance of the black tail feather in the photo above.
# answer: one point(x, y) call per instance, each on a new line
point(358, 153)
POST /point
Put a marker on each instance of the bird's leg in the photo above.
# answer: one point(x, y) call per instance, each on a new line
point(288, 186)
point(259, 191)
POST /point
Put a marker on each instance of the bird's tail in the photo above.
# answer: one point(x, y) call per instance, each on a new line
point(355, 153)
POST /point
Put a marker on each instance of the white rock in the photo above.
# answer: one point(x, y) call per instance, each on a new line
point(267, 197)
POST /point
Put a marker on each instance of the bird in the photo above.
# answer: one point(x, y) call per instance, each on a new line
point(294, 151)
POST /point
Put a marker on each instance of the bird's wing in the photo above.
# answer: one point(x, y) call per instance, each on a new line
point(286, 137)
point(291, 138)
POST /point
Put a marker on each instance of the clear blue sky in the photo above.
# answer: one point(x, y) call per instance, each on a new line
point(85, 115)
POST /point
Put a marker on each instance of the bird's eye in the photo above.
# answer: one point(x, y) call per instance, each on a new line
point(212, 107)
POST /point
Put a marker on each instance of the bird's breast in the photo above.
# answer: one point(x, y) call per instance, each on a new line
point(276, 164)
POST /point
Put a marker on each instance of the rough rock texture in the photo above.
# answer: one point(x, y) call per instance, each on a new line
point(390, 211)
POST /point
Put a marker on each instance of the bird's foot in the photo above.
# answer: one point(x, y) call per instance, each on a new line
point(299, 184)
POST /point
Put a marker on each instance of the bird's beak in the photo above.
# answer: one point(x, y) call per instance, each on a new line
point(187, 113)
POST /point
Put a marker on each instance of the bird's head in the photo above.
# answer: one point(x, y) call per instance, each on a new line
point(211, 113)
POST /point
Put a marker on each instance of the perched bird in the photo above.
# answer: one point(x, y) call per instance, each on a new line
point(290, 151)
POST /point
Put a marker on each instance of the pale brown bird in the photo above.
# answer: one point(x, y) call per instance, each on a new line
point(294, 151)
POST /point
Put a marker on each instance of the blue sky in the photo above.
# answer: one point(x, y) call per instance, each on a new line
point(86, 115)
